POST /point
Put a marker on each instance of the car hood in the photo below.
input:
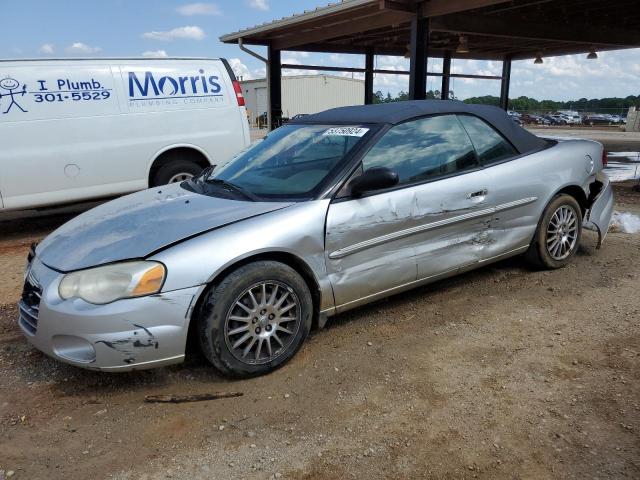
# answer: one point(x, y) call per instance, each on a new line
point(137, 225)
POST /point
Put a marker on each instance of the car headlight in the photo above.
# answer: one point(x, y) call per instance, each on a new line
point(107, 284)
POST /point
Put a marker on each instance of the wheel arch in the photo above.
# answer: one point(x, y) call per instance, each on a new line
point(576, 192)
point(572, 190)
point(287, 258)
point(190, 151)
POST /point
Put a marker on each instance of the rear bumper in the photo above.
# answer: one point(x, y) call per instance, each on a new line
point(129, 334)
point(600, 211)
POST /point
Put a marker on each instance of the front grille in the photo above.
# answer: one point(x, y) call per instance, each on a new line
point(29, 304)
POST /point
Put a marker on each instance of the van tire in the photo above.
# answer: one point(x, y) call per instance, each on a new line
point(175, 170)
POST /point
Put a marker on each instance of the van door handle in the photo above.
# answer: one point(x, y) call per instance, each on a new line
point(479, 193)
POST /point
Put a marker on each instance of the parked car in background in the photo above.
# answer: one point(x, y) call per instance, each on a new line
point(534, 119)
point(331, 211)
point(597, 120)
point(554, 119)
point(572, 117)
point(79, 129)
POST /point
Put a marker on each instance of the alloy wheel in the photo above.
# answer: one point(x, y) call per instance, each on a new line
point(562, 232)
point(262, 322)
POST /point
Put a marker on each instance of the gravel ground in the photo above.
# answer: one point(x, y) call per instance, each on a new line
point(501, 373)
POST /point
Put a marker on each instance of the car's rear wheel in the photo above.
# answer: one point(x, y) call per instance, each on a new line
point(255, 319)
point(558, 234)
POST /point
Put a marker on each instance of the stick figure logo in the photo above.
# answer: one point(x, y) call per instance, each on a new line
point(10, 85)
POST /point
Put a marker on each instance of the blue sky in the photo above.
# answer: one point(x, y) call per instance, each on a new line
point(39, 28)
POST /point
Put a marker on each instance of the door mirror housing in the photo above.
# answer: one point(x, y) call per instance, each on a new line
point(377, 178)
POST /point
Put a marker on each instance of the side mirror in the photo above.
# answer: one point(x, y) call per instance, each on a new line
point(373, 179)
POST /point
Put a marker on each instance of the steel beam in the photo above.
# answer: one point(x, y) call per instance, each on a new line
point(368, 76)
point(418, 58)
point(274, 88)
point(446, 75)
point(504, 85)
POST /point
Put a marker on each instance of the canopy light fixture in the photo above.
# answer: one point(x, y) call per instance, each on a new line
point(538, 59)
point(592, 55)
point(463, 45)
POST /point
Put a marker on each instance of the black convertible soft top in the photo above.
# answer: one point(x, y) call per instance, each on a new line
point(398, 112)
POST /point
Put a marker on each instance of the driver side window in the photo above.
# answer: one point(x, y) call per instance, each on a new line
point(423, 149)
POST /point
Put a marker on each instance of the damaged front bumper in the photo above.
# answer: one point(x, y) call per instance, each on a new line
point(128, 334)
point(601, 203)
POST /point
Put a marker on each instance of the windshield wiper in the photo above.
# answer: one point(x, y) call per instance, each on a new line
point(233, 187)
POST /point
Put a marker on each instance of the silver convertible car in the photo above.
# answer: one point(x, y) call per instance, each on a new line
point(328, 212)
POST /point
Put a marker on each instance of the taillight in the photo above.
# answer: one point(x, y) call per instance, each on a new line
point(238, 89)
point(605, 160)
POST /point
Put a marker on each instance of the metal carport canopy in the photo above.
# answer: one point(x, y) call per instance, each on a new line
point(494, 30)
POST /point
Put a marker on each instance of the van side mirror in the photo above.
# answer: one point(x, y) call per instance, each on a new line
point(377, 178)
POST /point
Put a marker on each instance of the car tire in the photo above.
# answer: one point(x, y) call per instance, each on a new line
point(558, 234)
point(255, 319)
point(175, 170)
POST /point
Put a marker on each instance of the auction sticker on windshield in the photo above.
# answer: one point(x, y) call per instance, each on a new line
point(347, 131)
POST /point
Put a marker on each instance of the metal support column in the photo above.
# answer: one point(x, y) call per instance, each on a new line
point(368, 77)
point(274, 88)
point(418, 58)
point(504, 86)
point(446, 72)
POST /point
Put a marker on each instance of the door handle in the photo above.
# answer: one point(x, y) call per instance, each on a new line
point(479, 193)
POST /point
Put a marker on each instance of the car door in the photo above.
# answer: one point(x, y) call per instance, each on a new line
point(431, 223)
point(512, 189)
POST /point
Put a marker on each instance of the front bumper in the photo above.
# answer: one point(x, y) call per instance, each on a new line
point(129, 334)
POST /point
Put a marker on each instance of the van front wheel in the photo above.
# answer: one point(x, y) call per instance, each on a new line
point(175, 171)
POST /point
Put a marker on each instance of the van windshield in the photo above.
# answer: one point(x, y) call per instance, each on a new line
point(291, 162)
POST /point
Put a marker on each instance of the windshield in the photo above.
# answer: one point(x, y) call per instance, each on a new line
point(291, 162)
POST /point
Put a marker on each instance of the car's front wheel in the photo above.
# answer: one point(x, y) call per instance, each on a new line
point(255, 319)
point(558, 235)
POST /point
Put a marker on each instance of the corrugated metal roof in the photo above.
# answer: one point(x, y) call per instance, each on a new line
point(296, 18)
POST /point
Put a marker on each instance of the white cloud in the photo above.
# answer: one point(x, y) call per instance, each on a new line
point(240, 69)
point(155, 54)
point(199, 9)
point(259, 4)
point(79, 48)
point(188, 32)
point(46, 49)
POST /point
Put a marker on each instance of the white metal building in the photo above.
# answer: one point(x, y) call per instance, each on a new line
point(304, 94)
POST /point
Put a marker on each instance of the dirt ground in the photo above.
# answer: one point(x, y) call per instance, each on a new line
point(501, 373)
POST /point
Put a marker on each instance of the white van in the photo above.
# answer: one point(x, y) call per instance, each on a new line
point(73, 130)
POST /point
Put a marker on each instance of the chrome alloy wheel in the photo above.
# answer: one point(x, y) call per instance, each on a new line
point(262, 322)
point(562, 232)
point(180, 177)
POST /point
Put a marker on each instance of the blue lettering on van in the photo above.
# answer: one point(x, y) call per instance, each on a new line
point(68, 90)
point(152, 87)
point(67, 84)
